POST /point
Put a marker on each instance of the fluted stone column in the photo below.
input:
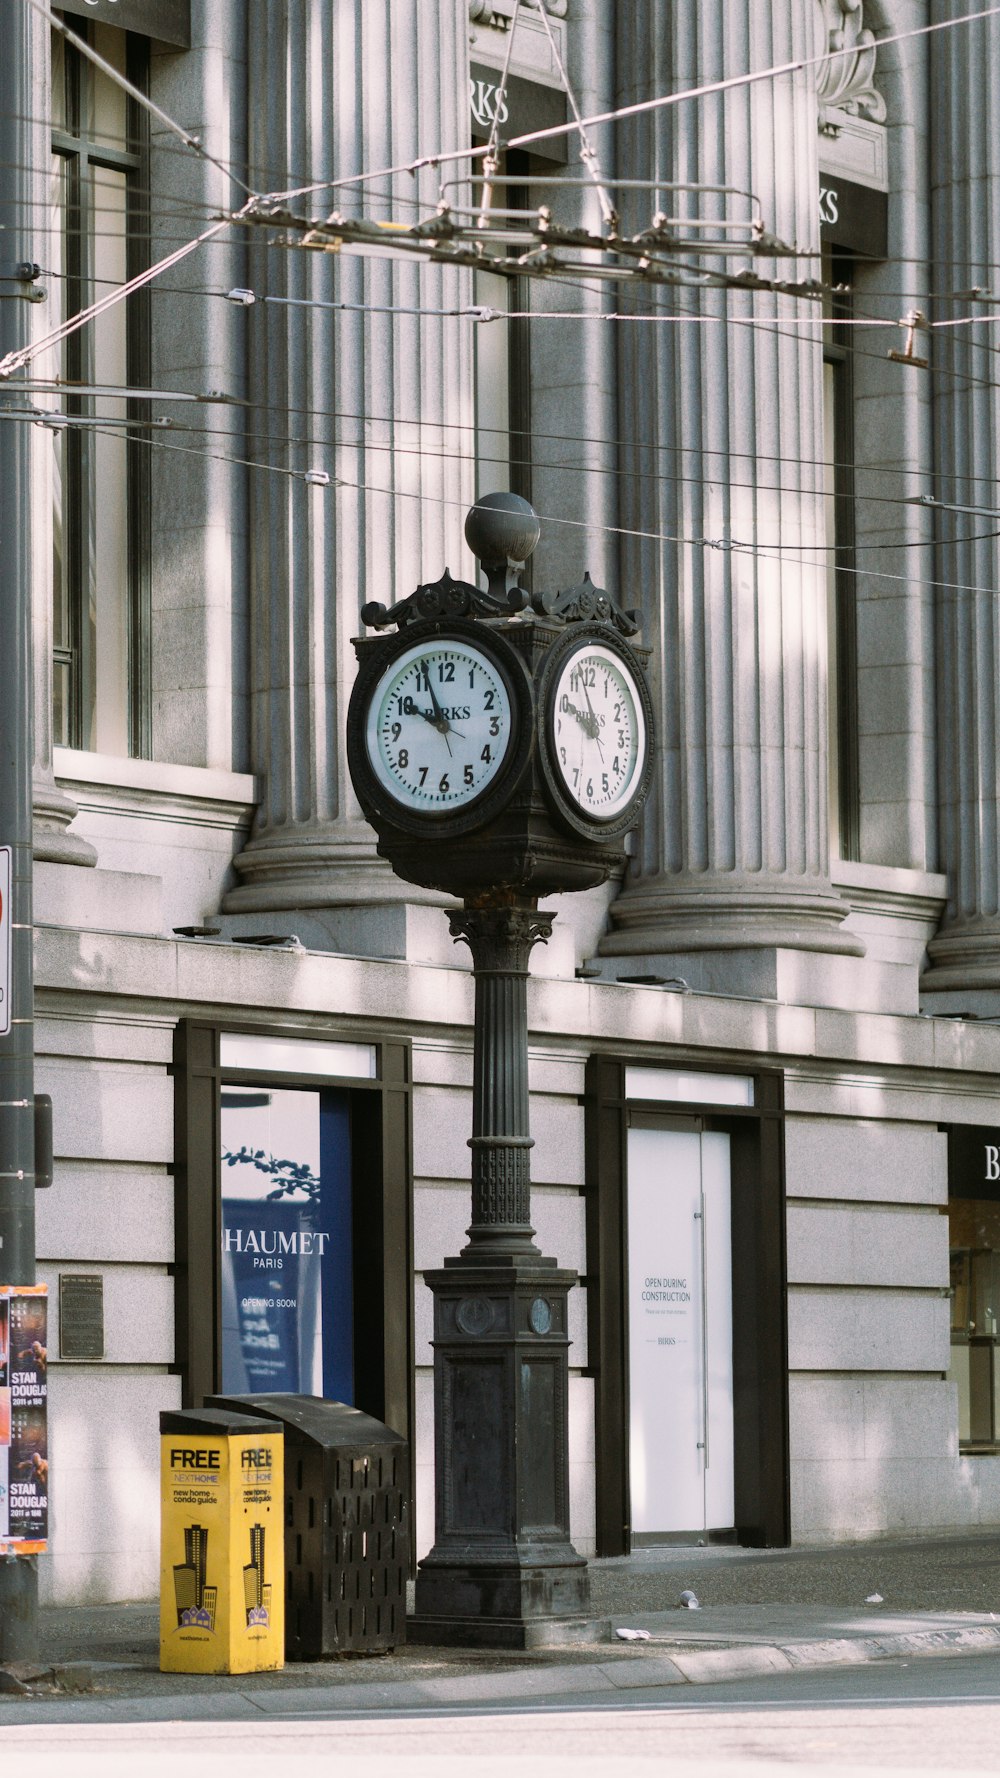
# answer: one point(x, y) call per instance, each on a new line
point(52, 809)
point(383, 402)
point(966, 235)
point(721, 424)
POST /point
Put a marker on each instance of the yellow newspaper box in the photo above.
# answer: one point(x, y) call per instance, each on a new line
point(222, 1592)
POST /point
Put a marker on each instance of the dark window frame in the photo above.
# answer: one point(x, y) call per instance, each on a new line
point(965, 1185)
point(381, 1146)
point(80, 153)
point(760, 1288)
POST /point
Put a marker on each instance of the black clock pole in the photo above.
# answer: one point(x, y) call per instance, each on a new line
point(547, 815)
point(501, 936)
point(503, 1571)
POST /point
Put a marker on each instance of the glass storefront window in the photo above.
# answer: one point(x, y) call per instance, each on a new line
point(287, 1242)
point(974, 1239)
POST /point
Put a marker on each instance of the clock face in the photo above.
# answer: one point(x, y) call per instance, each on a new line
point(598, 731)
point(439, 725)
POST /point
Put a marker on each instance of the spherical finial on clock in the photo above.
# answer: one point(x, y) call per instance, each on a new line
point(501, 529)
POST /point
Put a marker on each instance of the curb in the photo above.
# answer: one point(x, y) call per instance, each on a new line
point(655, 1665)
point(711, 1665)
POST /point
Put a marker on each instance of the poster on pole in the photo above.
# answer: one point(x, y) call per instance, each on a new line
point(5, 939)
point(24, 1448)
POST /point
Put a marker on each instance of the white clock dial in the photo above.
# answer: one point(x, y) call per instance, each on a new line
point(439, 725)
point(598, 731)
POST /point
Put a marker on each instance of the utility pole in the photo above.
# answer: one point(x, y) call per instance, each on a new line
point(20, 216)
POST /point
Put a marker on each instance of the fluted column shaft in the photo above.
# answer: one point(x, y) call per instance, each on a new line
point(501, 940)
point(965, 202)
point(721, 422)
point(52, 809)
point(381, 401)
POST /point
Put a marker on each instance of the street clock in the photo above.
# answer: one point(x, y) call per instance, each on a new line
point(500, 740)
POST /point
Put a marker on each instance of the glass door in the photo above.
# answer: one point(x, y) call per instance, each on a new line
point(287, 1242)
point(680, 1333)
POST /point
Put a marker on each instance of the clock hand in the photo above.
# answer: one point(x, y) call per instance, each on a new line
point(439, 719)
point(595, 727)
point(585, 721)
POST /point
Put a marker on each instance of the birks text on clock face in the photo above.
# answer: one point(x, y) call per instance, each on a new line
point(439, 725)
point(598, 731)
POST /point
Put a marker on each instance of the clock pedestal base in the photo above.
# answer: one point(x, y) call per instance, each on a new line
point(503, 1572)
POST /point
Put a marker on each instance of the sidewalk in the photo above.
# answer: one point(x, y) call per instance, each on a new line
point(761, 1612)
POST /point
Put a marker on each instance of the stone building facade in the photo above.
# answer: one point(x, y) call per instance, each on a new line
point(765, 1067)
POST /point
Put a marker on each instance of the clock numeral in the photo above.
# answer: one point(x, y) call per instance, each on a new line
point(444, 785)
point(486, 755)
point(396, 730)
point(590, 787)
point(618, 713)
point(562, 754)
point(423, 775)
point(469, 775)
point(621, 737)
point(489, 699)
point(605, 786)
point(494, 725)
point(472, 677)
point(403, 760)
point(446, 672)
point(617, 767)
point(423, 676)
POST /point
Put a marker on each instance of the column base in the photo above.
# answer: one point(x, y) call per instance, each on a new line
point(745, 911)
point(321, 865)
point(964, 969)
point(52, 815)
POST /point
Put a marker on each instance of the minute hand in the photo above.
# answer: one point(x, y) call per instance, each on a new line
point(439, 715)
point(439, 720)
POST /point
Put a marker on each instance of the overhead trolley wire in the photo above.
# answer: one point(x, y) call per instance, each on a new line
point(783, 554)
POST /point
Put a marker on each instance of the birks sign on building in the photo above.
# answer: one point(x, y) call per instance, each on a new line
point(516, 107)
point(5, 940)
point(974, 1161)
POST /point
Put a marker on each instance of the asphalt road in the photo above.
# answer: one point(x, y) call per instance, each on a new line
point(931, 1716)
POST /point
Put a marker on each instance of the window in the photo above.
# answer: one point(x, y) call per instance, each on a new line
point(294, 1267)
point(838, 420)
point(287, 1262)
point(974, 1240)
point(101, 500)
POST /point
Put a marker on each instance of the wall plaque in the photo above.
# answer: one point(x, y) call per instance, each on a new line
point(81, 1315)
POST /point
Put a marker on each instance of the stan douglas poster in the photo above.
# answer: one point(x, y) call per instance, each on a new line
point(24, 1452)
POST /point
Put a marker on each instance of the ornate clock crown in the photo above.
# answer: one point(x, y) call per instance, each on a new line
point(502, 531)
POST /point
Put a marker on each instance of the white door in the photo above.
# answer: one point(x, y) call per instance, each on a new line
point(680, 1317)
